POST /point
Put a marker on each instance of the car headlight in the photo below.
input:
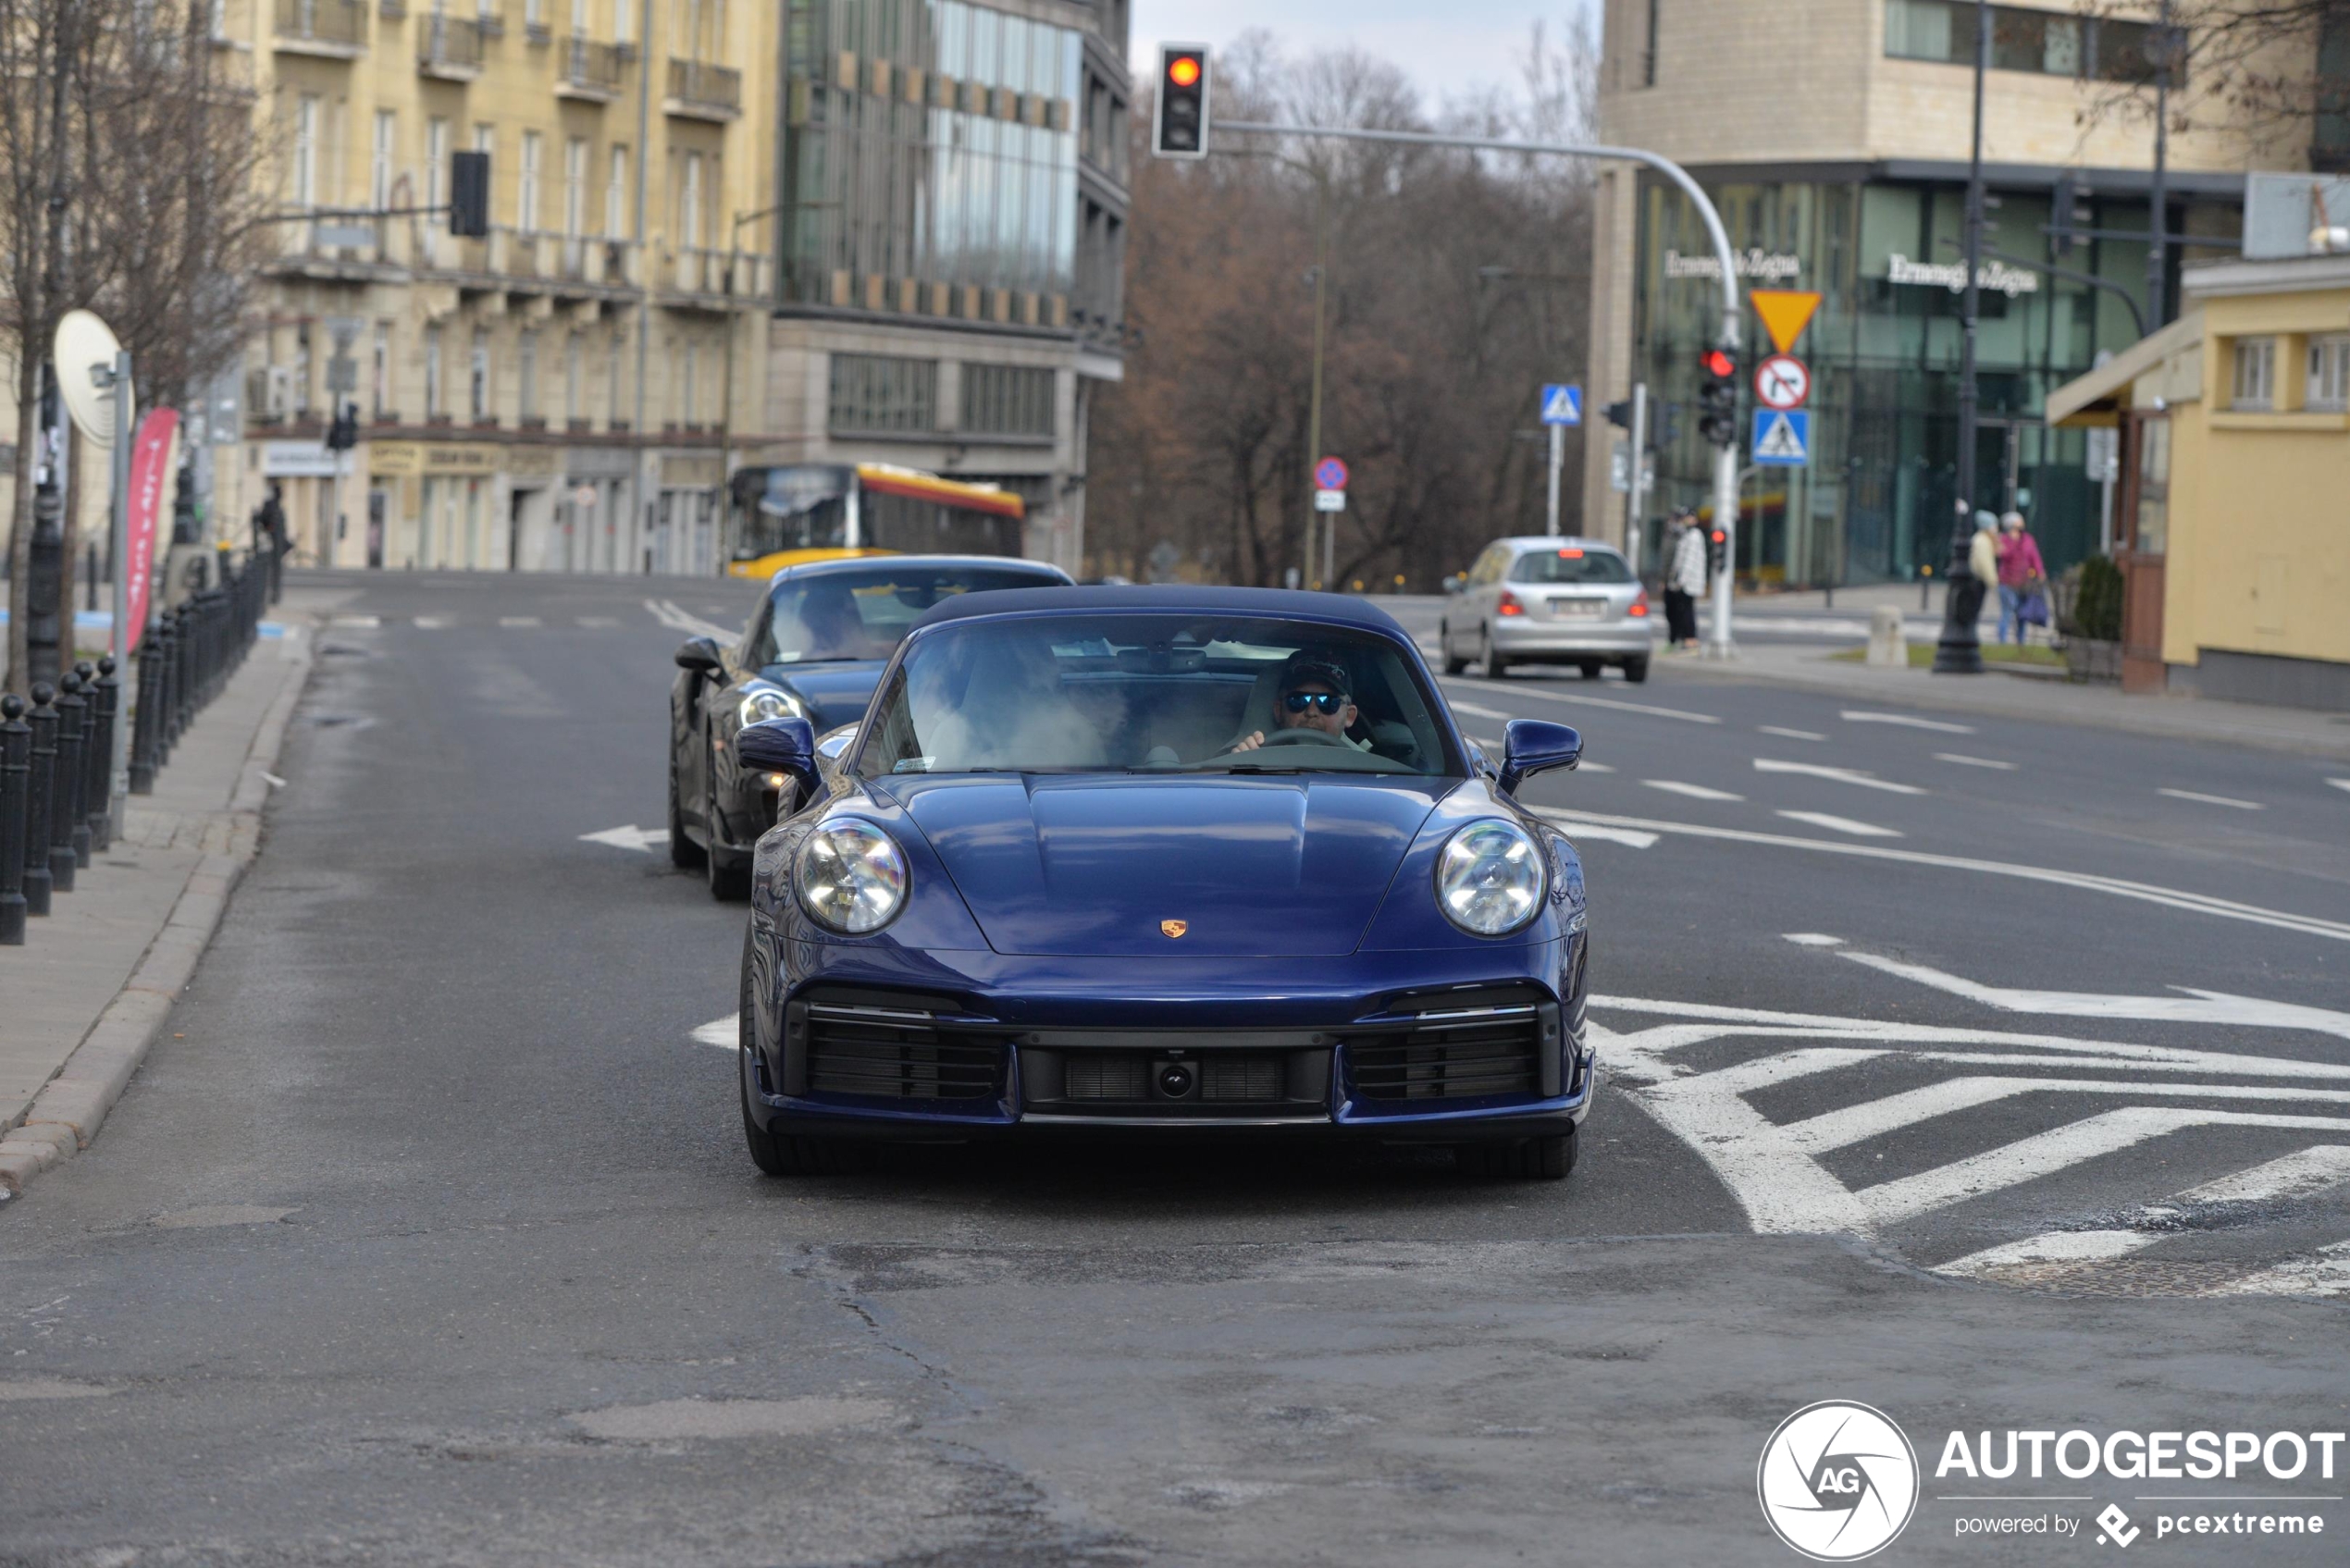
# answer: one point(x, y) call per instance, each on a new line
point(768, 703)
point(851, 877)
point(1489, 879)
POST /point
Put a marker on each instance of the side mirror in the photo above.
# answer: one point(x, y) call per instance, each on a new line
point(779, 745)
point(701, 656)
point(1535, 746)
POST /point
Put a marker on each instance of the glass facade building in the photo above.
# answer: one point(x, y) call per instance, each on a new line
point(1875, 501)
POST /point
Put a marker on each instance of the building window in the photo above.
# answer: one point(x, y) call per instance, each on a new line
point(1647, 50)
point(526, 372)
point(435, 170)
point(306, 150)
point(379, 372)
point(689, 205)
point(380, 159)
point(574, 414)
point(616, 196)
point(882, 395)
point(574, 187)
point(2255, 374)
point(624, 21)
point(477, 376)
point(1008, 399)
point(526, 189)
point(2329, 388)
point(434, 407)
point(2047, 43)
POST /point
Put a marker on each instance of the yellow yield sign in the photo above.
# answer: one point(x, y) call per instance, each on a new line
point(1785, 312)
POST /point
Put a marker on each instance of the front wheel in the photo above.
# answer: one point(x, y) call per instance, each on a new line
point(684, 853)
point(1528, 1159)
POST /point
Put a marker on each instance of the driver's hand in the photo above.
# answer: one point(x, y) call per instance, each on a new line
point(1256, 738)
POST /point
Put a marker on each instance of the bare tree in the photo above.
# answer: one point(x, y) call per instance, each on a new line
point(2270, 66)
point(131, 182)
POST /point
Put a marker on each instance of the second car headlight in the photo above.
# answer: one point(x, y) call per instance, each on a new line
point(851, 877)
point(1489, 879)
point(765, 702)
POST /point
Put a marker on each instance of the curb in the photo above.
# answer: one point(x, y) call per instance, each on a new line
point(65, 1116)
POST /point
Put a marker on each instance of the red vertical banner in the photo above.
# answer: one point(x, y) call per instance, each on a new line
point(150, 469)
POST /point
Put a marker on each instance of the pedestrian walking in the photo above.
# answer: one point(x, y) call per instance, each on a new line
point(2023, 577)
point(1684, 580)
point(269, 541)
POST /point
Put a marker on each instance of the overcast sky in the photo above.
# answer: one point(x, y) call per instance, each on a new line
point(1448, 46)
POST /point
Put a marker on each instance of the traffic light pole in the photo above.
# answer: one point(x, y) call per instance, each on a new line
point(1725, 462)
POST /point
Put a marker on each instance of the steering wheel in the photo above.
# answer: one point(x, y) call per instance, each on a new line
point(1305, 737)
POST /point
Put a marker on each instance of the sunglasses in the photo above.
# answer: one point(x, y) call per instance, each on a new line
point(1319, 701)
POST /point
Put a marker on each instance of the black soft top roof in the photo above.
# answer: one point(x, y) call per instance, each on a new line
point(1272, 604)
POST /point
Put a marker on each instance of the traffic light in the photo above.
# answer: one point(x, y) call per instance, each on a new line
point(1620, 413)
point(1717, 397)
point(1179, 128)
point(1715, 542)
point(469, 195)
point(344, 433)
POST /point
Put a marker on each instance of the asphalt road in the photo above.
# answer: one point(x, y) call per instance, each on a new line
point(428, 1236)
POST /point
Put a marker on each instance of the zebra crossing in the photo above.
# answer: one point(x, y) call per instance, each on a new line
point(1993, 1154)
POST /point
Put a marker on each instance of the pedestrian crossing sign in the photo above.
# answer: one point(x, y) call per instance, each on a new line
point(1562, 405)
point(1783, 437)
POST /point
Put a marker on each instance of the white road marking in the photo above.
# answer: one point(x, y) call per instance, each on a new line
point(671, 615)
point(2296, 1174)
point(630, 837)
point(1528, 689)
point(1632, 836)
point(1840, 775)
point(272, 780)
point(431, 622)
point(1860, 716)
point(1791, 734)
point(2195, 1006)
point(518, 620)
point(1695, 792)
point(1813, 939)
point(2338, 783)
point(1843, 1127)
point(2171, 897)
point(1593, 767)
point(1474, 711)
point(724, 1033)
point(2325, 1272)
point(2054, 1246)
point(357, 622)
point(1840, 824)
point(1965, 761)
point(2203, 799)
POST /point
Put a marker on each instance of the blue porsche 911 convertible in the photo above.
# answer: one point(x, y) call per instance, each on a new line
point(1161, 857)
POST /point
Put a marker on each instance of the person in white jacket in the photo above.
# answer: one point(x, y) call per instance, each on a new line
point(1684, 580)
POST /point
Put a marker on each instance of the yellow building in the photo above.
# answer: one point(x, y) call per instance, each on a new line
point(2235, 468)
point(553, 396)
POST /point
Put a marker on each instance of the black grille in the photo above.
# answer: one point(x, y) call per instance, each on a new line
point(1105, 1075)
point(1241, 1078)
point(1463, 1055)
point(894, 1055)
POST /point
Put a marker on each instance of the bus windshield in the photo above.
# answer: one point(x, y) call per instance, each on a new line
point(802, 507)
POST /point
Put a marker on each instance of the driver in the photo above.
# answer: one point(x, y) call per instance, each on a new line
point(1314, 696)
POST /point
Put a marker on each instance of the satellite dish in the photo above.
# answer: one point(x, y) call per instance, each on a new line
point(86, 345)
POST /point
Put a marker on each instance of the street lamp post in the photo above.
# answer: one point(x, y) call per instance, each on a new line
point(1959, 651)
point(2166, 43)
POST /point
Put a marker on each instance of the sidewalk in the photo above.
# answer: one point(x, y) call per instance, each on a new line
point(94, 982)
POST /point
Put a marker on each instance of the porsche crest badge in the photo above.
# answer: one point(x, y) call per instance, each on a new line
point(1173, 927)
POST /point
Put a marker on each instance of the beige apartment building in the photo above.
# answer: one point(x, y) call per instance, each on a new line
point(1834, 136)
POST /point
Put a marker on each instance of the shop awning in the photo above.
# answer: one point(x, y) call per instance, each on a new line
point(2094, 398)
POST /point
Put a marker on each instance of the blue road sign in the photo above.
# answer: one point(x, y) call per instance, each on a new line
point(1782, 437)
point(1561, 405)
point(1330, 473)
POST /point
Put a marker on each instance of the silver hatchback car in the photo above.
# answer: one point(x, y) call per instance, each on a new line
point(1548, 600)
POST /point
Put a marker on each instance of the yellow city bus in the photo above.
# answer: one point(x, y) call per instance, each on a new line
point(787, 513)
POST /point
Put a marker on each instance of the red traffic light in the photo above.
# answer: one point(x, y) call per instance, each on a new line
point(1184, 69)
point(1717, 362)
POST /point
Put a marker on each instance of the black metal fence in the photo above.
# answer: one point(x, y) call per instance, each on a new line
point(57, 750)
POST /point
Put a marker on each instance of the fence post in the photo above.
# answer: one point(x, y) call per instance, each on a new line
point(142, 715)
point(68, 829)
point(106, 703)
point(167, 713)
point(39, 873)
point(16, 762)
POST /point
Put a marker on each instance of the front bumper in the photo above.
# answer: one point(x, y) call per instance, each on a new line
point(1436, 1047)
point(1525, 636)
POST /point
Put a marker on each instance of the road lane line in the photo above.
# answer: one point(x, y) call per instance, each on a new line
point(671, 615)
point(2203, 799)
point(1527, 688)
point(1695, 792)
point(1813, 939)
point(2195, 1006)
point(1840, 824)
point(2297, 1175)
point(725, 1032)
point(1864, 716)
point(1632, 836)
point(1791, 734)
point(431, 622)
point(518, 620)
point(2338, 783)
point(2087, 882)
point(1842, 1127)
point(1840, 775)
point(1966, 761)
point(356, 623)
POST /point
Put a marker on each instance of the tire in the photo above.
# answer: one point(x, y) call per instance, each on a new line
point(1635, 670)
point(684, 853)
point(1495, 665)
point(780, 1154)
point(729, 880)
point(1528, 1159)
point(1453, 664)
point(1590, 668)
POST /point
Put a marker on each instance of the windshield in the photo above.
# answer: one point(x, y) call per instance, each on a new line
point(795, 508)
point(863, 614)
point(1153, 693)
point(1572, 563)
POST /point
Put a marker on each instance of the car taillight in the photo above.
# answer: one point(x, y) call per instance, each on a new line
point(1510, 606)
point(1639, 603)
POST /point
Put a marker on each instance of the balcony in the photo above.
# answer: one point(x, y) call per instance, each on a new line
point(697, 90)
point(336, 30)
point(590, 71)
point(491, 18)
point(449, 47)
point(511, 262)
point(711, 279)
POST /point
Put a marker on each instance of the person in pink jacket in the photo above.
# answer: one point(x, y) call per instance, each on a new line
point(2022, 573)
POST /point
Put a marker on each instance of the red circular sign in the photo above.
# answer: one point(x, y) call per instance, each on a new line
point(1782, 381)
point(1330, 473)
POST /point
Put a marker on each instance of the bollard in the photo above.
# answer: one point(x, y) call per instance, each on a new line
point(142, 715)
point(42, 756)
point(168, 693)
point(1886, 643)
point(68, 829)
point(104, 710)
point(15, 761)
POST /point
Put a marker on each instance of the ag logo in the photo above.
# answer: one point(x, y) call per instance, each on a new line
point(1838, 1481)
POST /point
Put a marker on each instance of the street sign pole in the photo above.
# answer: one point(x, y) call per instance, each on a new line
point(1558, 461)
point(1635, 488)
point(119, 537)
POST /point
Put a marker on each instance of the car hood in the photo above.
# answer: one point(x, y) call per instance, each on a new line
point(1092, 867)
point(834, 694)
